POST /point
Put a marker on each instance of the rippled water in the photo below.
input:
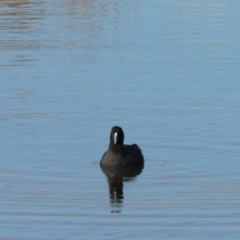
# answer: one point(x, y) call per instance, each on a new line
point(166, 71)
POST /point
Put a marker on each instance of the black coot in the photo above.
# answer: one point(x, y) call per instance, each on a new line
point(119, 154)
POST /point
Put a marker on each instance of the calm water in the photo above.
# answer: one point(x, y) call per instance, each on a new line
point(166, 71)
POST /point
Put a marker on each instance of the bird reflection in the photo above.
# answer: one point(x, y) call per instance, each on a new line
point(116, 176)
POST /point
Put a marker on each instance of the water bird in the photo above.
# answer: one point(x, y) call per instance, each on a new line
point(119, 154)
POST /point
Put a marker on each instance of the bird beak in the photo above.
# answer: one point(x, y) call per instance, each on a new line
point(115, 137)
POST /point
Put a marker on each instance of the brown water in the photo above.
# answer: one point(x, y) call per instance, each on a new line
point(166, 71)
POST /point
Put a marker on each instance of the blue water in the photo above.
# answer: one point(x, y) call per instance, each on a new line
point(167, 72)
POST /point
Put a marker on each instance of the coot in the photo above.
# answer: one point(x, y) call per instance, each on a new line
point(119, 154)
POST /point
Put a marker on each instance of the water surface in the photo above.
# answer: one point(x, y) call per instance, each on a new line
point(166, 71)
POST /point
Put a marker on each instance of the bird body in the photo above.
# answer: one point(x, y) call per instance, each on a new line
point(119, 154)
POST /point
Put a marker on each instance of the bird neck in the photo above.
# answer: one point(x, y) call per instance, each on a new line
point(116, 147)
